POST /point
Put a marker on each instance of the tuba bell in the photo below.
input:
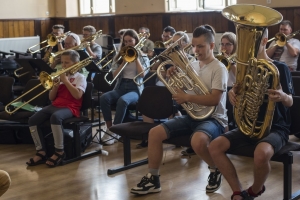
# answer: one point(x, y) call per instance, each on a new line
point(186, 78)
point(253, 76)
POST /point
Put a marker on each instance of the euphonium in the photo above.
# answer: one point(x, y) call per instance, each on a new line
point(226, 60)
point(253, 76)
point(48, 81)
point(185, 79)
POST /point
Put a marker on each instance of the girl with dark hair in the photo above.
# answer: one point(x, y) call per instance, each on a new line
point(125, 91)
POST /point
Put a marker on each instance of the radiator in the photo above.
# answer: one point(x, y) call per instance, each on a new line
point(19, 43)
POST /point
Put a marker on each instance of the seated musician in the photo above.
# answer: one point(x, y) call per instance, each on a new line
point(167, 34)
point(66, 97)
point(125, 91)
point(289, 53)
point(228, 46)
point(71, 41)
point(214, 75)
point(266, 147)
point(148, 44)
point(57, 30)
point(93, 49)
point(4, 182)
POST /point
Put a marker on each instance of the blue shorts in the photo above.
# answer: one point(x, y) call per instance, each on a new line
point(185, 125)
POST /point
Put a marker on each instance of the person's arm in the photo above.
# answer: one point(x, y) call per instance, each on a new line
point(293, 51)
point(233, 68)
point(118, 69)
point(53, 91)
point(271, 50)
point(75, 92)
point(139, 68)
point(280, 96)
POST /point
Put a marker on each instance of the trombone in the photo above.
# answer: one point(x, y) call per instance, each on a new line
point(225, 59)
point(161, 44)
point(129, 54)
point(48, 81)
point(281, 39)
point(51, 41)
point(100, 61)
point(92, 37)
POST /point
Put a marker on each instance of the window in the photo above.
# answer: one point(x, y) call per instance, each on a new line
point(92, 7)
point(192, 5)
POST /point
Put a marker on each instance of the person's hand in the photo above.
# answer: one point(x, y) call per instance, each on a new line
point(56, 82)
point(63, 78)
point(277, 95)
point(232, 95)
point(171, 71)
point(180, 97)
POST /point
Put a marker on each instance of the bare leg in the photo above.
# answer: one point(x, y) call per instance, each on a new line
point(262, 155)
point(217, 149)
point(155, 149)
point(108, 124)
point(200, 142)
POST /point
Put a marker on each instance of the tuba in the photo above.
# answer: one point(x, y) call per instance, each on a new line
point(253, 112)
point(186, 78)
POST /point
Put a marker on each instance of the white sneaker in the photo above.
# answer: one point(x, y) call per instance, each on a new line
point(109, 139)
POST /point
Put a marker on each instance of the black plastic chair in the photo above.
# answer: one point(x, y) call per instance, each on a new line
point(6, 91)
point(296, 84)
point(155, 102)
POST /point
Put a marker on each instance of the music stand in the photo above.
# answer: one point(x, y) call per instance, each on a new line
point(40, 65)
point(27, 70)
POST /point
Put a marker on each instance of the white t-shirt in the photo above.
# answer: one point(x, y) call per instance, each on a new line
point(290, 61)
point(215, 76)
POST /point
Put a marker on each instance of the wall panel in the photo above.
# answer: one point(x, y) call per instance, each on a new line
point(111, 24)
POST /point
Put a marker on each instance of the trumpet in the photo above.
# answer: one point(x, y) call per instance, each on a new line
point(51, 41)
point(281, 39)
point(129, 54)
point(48, 81)
point(226, 60)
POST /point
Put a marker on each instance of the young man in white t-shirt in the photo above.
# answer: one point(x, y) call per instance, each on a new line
point(214, 75)
point(289, 53)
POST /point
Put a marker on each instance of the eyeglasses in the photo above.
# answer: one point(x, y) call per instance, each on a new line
point(226, 44)
point(166, 36)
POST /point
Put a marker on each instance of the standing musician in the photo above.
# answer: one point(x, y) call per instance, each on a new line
point(57, 30)
point(266, 147)
point(228, 46)
point(148, 44)
point(66, 100)
point(214, 75)
point(289, 53)
point(125, 91)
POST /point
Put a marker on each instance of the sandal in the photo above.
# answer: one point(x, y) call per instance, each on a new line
point(252, 194)
point(58, 160)
point(243, 194)
point(41, 161)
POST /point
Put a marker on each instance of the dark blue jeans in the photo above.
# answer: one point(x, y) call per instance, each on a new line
point(126, 94)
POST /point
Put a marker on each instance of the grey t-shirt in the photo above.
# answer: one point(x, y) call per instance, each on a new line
point(214, 76)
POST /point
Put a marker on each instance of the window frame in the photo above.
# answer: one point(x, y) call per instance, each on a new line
point(111, 8)
point(201, 5)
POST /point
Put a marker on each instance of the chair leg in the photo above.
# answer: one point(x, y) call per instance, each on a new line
point(127, 159)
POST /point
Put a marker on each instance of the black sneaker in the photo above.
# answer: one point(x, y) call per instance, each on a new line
point(188, 152)
point(148, 184)
point(214, 180)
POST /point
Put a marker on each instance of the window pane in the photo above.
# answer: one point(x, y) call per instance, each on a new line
point(101, 6)
point(183, 4)
point(85, 7)
point(216, 4)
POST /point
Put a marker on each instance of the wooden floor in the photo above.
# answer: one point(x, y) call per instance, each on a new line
point(181, 177)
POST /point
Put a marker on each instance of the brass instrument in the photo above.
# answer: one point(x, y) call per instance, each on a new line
point(92, 37)
point(157, 59)
point(186, 79)
point(226, 60)
point(144, 34)
point(106, 56)
point(129, 54)
point(51, 41)
point(48, 81)
point(253, 76)
point(161, 44)
point(281, 39)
